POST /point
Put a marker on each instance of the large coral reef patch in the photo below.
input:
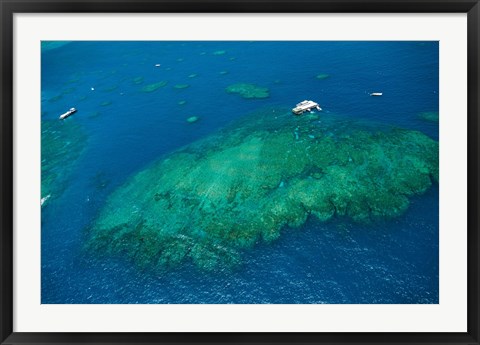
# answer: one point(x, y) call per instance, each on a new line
point(248, 91)
point(208, 202)
point(431, 116)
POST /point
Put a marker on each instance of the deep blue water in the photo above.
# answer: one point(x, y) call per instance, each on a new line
point(336, 262)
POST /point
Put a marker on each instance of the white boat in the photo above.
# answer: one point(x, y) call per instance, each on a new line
point(304, 106)
point(44, 199)
point(68, 113)
point(376, 94)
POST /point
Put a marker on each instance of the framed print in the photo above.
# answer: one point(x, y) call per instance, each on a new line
point(254, 172)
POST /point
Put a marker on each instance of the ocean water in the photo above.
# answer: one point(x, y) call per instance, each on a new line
point(124, 129)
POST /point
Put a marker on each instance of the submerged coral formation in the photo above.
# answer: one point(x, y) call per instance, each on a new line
point(248, 90)
point(137, 80)
point(181, 86)
point(62, 144)
point(322, 76)
point(429, 116)
point(208, 202)
point(193, 119)
point(154, 86)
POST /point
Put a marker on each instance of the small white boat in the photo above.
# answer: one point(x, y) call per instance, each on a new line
point(68, 113)
point(304, 106)
point(44, 199)
point(376, 94)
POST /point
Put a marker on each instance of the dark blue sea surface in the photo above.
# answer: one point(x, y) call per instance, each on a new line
point(393, 261)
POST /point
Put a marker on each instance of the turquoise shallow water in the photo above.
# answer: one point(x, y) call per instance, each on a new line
point(124, 129)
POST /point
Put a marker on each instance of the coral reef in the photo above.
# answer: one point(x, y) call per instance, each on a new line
point(193, 119)
point(62, 144)
point(429, 116)
point(181, 86)
point(210, 201)
point(322, 76)
point(137, 80)
point(154, 87)
point(248, 90)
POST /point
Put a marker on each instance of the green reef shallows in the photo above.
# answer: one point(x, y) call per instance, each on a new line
point(429, 116)
point(154, 87)
point(181, 86)
point(322, 76)
point(210, 201)
point(248, 90)
point(192, 119)
point(137, 80)
point(62, 144)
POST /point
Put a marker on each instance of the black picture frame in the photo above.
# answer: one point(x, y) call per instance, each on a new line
point(10, 7)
